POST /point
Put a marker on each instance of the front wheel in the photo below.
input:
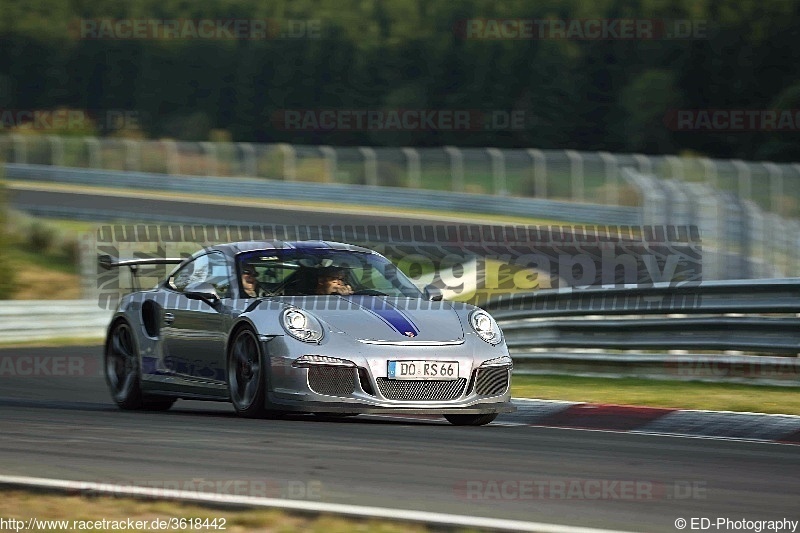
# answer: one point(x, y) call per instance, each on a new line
point(246, 375)
point(471, 420)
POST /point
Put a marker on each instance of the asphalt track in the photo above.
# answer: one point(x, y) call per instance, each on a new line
point(144, 209)
point(66, 427)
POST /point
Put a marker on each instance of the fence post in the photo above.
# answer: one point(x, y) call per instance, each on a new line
point(210, 151)
point(539, 172)
point(289, 161)
point(710, 173)
point(775, 186)
point(612, 177)
point(370, 165)
point(56, 150)
point(414, 170)
point(676, 164)
point(20, 152)
point(456, 168)
point(744, 175)
point(249, 156)
point(498, 171)
point(576, 170)
point(645, 165)
point(173, 162)
point(330, 162)
point(95, 158)
point(131, 147)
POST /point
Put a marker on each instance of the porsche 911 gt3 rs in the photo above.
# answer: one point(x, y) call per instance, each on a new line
point(381, 346)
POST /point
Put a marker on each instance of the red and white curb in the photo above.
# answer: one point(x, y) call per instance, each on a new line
point(357, 511)
point(656, 420)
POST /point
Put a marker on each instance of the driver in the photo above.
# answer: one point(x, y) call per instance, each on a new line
point(333, 281)
point(250, 284)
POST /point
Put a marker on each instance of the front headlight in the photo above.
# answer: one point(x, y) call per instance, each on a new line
point(485, 326)
point(301, 325)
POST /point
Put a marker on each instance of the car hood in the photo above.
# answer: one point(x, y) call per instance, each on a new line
point(387, 320)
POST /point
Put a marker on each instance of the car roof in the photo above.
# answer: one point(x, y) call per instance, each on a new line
point(235, 248)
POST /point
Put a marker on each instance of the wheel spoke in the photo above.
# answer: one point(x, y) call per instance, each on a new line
point(127, 381)
point(116, 345)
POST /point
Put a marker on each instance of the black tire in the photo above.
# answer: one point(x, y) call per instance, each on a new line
point(121, 364)
point(123, 372)
point(246, 375)
point(471, 420)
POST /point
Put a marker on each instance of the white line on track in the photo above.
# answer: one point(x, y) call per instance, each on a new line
point(425, 517)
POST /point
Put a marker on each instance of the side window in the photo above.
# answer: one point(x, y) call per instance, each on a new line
point(218, 274)
point(186, 275)
point(208, 268)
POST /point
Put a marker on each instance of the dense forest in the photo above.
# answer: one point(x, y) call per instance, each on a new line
point(614, 94)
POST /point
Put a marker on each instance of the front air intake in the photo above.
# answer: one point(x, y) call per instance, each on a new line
point(421, 390)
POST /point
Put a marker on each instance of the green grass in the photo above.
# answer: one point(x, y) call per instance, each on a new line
point(660, 393)
point(21, 257)
point(23, 505)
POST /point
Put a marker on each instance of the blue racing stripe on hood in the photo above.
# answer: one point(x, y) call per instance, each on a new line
point(391, 316)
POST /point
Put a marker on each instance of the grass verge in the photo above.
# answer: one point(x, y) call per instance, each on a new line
point(658, 393)
point(23, 505)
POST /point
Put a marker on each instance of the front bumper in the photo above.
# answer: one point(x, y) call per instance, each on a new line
point(367, 388)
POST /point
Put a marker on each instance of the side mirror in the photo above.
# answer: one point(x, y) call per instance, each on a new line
point(433, 293)
point(202, 291)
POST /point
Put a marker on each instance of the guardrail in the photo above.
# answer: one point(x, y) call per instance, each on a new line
point(757, 317)
point(755, 322)
point(27, 320)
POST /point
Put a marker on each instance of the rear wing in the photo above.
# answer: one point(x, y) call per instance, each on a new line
point(107, 262)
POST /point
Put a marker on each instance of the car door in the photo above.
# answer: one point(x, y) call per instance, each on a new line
point(193, 332)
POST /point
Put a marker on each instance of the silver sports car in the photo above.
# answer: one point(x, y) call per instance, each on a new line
point(313, 327)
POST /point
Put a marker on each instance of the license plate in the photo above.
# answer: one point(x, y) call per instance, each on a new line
point(422, 370)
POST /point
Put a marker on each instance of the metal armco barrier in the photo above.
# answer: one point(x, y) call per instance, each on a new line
point(732, 296)
point(26, 320)
point(757, 317)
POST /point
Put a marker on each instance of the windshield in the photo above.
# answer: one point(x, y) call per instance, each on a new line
point(321, 272)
